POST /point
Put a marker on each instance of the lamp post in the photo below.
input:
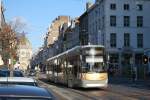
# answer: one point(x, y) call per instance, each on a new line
point(99, 37)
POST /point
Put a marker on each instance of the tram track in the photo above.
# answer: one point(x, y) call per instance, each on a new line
point(83, 94)
point(88, 97)
point(95, 94)
point(136, 95)
point(94, 97)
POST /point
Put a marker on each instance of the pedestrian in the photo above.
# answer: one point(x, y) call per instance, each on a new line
point(110, 70)
point(133, 75)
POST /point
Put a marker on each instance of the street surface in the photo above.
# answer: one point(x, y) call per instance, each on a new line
point(113, 92)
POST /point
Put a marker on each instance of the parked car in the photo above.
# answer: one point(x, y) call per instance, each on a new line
point(17, 73)
point(20, 92)
point(6, 73)
point(18, 81)
point(17, 78)
point(32, 73)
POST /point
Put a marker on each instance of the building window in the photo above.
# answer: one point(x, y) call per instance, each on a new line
point(99, 21)
point(23, 53)
point(139, 7)
point(96, 25)
point(126, 21)
point(114, 58)
point(139, 21)
point(140, 40)
point(126, 39)
point(54, 38)
point(113, 6)
point(103, 21)
point(112, 20)
point(113, 40)
point(96, 13)
point(126, 7)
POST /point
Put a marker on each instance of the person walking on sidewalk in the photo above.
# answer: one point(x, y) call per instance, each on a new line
point(134, 77)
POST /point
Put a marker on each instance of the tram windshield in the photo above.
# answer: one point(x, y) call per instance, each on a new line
point(93, 60)
point(93, 67)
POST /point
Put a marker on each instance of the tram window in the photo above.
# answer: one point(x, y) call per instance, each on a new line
point(99, 67)
point(75, 70)
point(59, 69)
point(85, 68)
point(93, 67)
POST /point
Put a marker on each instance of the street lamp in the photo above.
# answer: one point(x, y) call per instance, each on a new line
point(99, 37)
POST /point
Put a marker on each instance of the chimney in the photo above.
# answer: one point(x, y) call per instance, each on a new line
point(88, 5)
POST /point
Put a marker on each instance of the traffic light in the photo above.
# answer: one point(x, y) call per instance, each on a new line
point(145, 59)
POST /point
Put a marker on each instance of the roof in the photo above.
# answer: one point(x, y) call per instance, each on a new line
point(84, 14)
point(92, 7)
point(24, 91)
point(74, 48)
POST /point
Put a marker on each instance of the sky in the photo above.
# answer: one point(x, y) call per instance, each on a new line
point(38, 15)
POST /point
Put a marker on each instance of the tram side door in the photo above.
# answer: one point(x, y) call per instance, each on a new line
point(70, 71)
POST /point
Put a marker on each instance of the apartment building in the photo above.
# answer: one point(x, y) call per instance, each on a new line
point(123, 27)
point(53, 30)
point(24, 55)
point(69, 35)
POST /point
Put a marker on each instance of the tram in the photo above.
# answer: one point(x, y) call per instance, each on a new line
point(81, 66)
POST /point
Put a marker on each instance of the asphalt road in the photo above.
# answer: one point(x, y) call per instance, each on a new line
point(113, 92)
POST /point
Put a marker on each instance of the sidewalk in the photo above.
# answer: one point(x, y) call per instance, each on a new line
point(129, 82)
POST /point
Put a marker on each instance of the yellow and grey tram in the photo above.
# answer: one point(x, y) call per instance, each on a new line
point(81, 66)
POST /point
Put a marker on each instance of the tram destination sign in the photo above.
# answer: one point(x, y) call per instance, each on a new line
point(94, 52)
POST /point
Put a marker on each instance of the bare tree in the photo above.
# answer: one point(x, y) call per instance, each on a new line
point(18, 24)
point(9, 42)
point(10, 37)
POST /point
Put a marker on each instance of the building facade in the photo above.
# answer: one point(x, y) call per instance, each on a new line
point(52, 42)
point(69, 37)
point(24, 55)
point(123, 27)
point(83, 29)
point(53, 30)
